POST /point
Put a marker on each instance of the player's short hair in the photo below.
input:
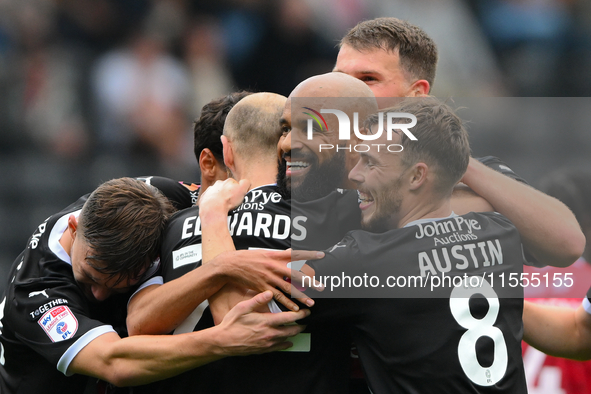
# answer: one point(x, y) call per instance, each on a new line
point(208, 128)
point(442, 141)
point(572, 186)
point(254, 127)
point(122, 222)
point(417, 51)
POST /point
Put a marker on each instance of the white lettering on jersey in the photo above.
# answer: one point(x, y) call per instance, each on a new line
point(257, 200)
point(262, 225)
point(299, 227)
point(440, 227)
point(459, 305)
point(439, 260)
point(35, 237)
point(191, 227)
point(45, 307)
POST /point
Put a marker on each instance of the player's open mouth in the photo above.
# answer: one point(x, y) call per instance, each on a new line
point(365, 200)
point(296, 166)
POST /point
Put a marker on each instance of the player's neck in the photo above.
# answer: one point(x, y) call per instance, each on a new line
point(258, 175)
point(66, 241)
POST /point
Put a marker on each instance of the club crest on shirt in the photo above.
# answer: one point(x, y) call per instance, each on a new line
point(59, 323)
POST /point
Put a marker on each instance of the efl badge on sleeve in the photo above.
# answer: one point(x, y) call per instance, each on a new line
point(59, 323)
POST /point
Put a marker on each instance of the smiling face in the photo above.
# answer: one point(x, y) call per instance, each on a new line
point(304, 169)
point(377, 68)
point(309, 171)
point(379, 178)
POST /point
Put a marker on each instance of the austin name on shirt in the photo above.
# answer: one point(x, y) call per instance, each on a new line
point(457, 257)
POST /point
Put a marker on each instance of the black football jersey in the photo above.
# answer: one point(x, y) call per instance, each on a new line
point(321, 223)
point(463, 336)
point(181, 194)
point(45, 319)
point(263, 220)
point(498, 165)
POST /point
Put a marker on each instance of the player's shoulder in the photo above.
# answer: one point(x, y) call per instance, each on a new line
point(363, 242)
point(182, 214)
point(181, 194)
point(494, 219)
point(183, 224)
point(43, 245)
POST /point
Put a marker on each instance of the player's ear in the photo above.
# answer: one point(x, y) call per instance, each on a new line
point(209, 165)
point(72, 225)
point(418, 175)
point(228, 152)
point(419, 88)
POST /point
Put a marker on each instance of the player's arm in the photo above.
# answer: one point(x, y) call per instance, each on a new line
point(173, 301)
point(548, 229)
point(558, 331)
point(142, 359)
point(214, 206)
point(464, 200)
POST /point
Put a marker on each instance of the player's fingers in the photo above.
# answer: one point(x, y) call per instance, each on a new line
point(284, 256)
point(300, 296)
point(285, 301)
point(279, 319)
point(289, 331)
point(302, 281)
point(299, 255)
point(255, 302)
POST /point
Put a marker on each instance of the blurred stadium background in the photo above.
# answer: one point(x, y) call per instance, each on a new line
point(96, 89)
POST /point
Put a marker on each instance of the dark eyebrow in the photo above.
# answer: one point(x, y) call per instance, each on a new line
point(367, 156)
point(368, 72)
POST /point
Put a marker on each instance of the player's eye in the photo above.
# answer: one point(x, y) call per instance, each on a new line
point(285, 130)
point(368, 78)
point(367, 162)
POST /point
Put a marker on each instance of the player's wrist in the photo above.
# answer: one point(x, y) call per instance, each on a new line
point(472, 172)
point(214, 220)
point(213, 342)
point(222, 267)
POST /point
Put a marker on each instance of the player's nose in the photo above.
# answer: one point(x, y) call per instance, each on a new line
point(355, 174)
point(100, 293)
point(285, 143)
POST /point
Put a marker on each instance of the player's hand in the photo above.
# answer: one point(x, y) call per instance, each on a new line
point(224, 195)
point(262, 270)
point(244, 331)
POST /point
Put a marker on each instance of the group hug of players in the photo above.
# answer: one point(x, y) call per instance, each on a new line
point(160, 285)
